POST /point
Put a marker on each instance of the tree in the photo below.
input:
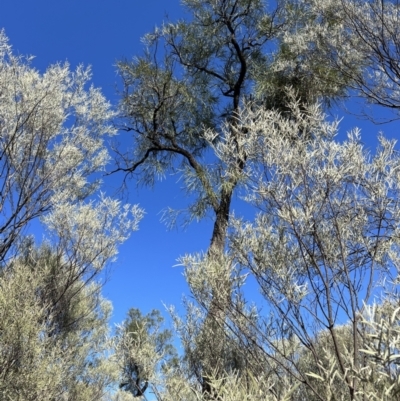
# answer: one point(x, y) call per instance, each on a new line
point(51, 349)
point(323, 245)
point(141, 349)
point(53, 320)
point(374, 27)
point(362, 48)
point(215, 106)
point(51, 141)
point(178, 101)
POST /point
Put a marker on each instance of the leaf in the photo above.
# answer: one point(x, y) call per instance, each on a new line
point(315, 376)
point(369, 352)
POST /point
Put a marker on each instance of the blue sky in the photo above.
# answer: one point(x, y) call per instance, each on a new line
point(98, 33)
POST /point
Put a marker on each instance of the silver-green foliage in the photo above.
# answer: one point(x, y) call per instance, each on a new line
point(323, 248)
point(229, 103)
point(142, 348)
point(182, 99)
point(53, 333)
point(53, 320)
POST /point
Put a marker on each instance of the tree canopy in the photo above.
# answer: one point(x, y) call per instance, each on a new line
point(232, 99)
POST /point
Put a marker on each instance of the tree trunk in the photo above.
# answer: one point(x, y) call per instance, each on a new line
point(213, 340)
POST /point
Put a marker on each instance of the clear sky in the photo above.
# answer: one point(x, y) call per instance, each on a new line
point(97, 33)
